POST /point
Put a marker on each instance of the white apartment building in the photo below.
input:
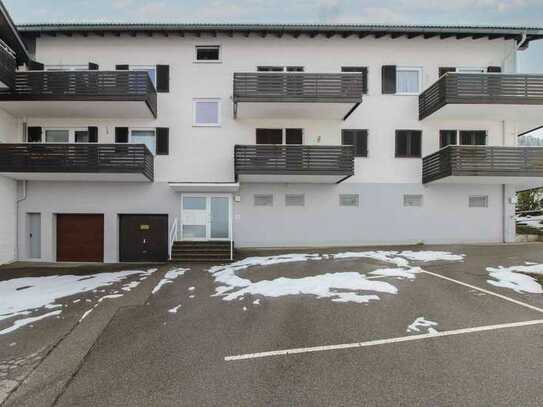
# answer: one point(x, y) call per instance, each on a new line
point(131, 142)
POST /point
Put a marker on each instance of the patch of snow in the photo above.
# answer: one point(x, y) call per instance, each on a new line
point(384, 256)
point(426, 256)
point(192, 296)
point(357, 298)
point(256, 302)
point(244, 308)
point(421, 323)
point(130, 286)
point(76, 301)
point(111, 296)
point(53, 306)
point(508, 277)
point(397, 272)
point(192, 288)
point(86, 314)
point(27, 321)
point(174, 309)
point(168, 278)
point(12, 344)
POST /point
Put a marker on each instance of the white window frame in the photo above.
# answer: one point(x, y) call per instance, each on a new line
point(203, 61)
point(195, 101)
point(419, 70)
point(458, 141)
point(284, 135)
point(131, 129)
point(71, 134)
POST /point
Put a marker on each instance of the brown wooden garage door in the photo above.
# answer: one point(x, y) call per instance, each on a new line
point(80, 238)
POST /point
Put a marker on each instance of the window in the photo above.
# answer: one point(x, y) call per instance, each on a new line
point(195, 202)
point(356, 138)
point(294, 200)
point(279, 136)
point(473, 137)
point(412, 200)
point(478, 201)
point(408, 143)
point(208, 53)
point(206, 112)
point(144, 136)
point(408, 80)
point(279, 68)
point(263, 200)
point(57, 136)
point(348, 200)
point(363, 70)
point(81, 136)
point(447, 137)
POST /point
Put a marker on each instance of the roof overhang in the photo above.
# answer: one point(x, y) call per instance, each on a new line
point(204, 186)
point(292, 178)
point(76, 176)
point(11, 36)
point(298, 110)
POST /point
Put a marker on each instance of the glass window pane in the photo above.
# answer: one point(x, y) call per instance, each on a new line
point(194, 231)
point(81, 136)
point(408, 81)
point(146, 137)
point(57, 136)
point(194, 202)
point(219, 218)
point(207, 53)
point(207, 112)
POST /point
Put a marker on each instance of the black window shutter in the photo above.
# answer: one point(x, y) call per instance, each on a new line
point(34, 134)
point(269, 136)
point(447, 137)
point(163, 78)
point(294, 136)
point(121, 67)
point(416, 143)
point(35, 66)
point(444, 69)
point(494, 69)
point(121, 134)
point(93, 66)
point(356, 138)
point(93, 134)
point(363, 144)
point(389, 79)
point(408, 143)
point(162, 141)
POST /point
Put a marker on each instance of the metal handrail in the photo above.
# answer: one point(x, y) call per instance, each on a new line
point(172, 237)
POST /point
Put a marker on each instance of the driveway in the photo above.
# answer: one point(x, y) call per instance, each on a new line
point(441, 325)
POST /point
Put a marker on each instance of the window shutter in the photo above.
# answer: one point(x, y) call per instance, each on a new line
point(444, 70)
point(356, 138)
point(389, 79)
point(163, 78)
point(93, 134)
point(294, 136)
point(93, 66)
point(494, 69)
point(35, 66)
point(34, 135)
point(121, 134)
point(269, 136)
point(121, 67)
point(416, 141)
point(162, 141)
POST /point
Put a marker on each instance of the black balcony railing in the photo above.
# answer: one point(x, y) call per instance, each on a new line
point(298, 87)
point(488, 88)
point(487, 161)
point(294, 160)
point(83, 86)
point(77, 158)
point(8, 66)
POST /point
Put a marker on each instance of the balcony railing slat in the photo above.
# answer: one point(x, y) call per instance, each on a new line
point(298, 87)
point(481, 89)
point(483, 161)
point(77, 158)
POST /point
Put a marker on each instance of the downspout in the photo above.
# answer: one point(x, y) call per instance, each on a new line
point(19, 200)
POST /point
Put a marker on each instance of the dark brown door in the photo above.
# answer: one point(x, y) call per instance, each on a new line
point(80, 238)
point(143, 238)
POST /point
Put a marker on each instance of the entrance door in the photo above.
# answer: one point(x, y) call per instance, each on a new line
point(80, 238)
point(205, 217)
point(34, 235)
point(143, 238)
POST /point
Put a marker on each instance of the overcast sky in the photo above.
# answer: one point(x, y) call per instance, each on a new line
point(454, 12)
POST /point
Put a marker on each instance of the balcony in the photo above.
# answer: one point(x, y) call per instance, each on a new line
point(484, 165)
point(8, 65)
point(293, 163)
point(84, 94)
point(77, 162)
point(295, 95)
point(492, 96)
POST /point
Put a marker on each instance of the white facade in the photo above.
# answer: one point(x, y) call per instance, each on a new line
point(205, 154)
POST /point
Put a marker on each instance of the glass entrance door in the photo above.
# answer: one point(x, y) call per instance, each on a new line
point(205, 217)
point(219, 225)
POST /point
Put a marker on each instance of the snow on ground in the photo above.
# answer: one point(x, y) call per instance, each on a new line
point(531, 221)
point(168, 278)
point(23, 296)
point(422, 323)
point(174, 309)
point(512, 277)
point(339, 287)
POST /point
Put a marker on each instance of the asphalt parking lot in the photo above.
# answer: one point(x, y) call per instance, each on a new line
point(478, 344)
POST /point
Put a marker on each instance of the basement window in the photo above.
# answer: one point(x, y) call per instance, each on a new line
point(412, 200)
point(478, 201)
point(349, 200)
point(207, 53)
point(294, 200)
point(263, 200)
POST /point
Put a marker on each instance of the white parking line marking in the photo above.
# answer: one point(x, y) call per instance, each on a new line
point(503, 297)
point(381, 341)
